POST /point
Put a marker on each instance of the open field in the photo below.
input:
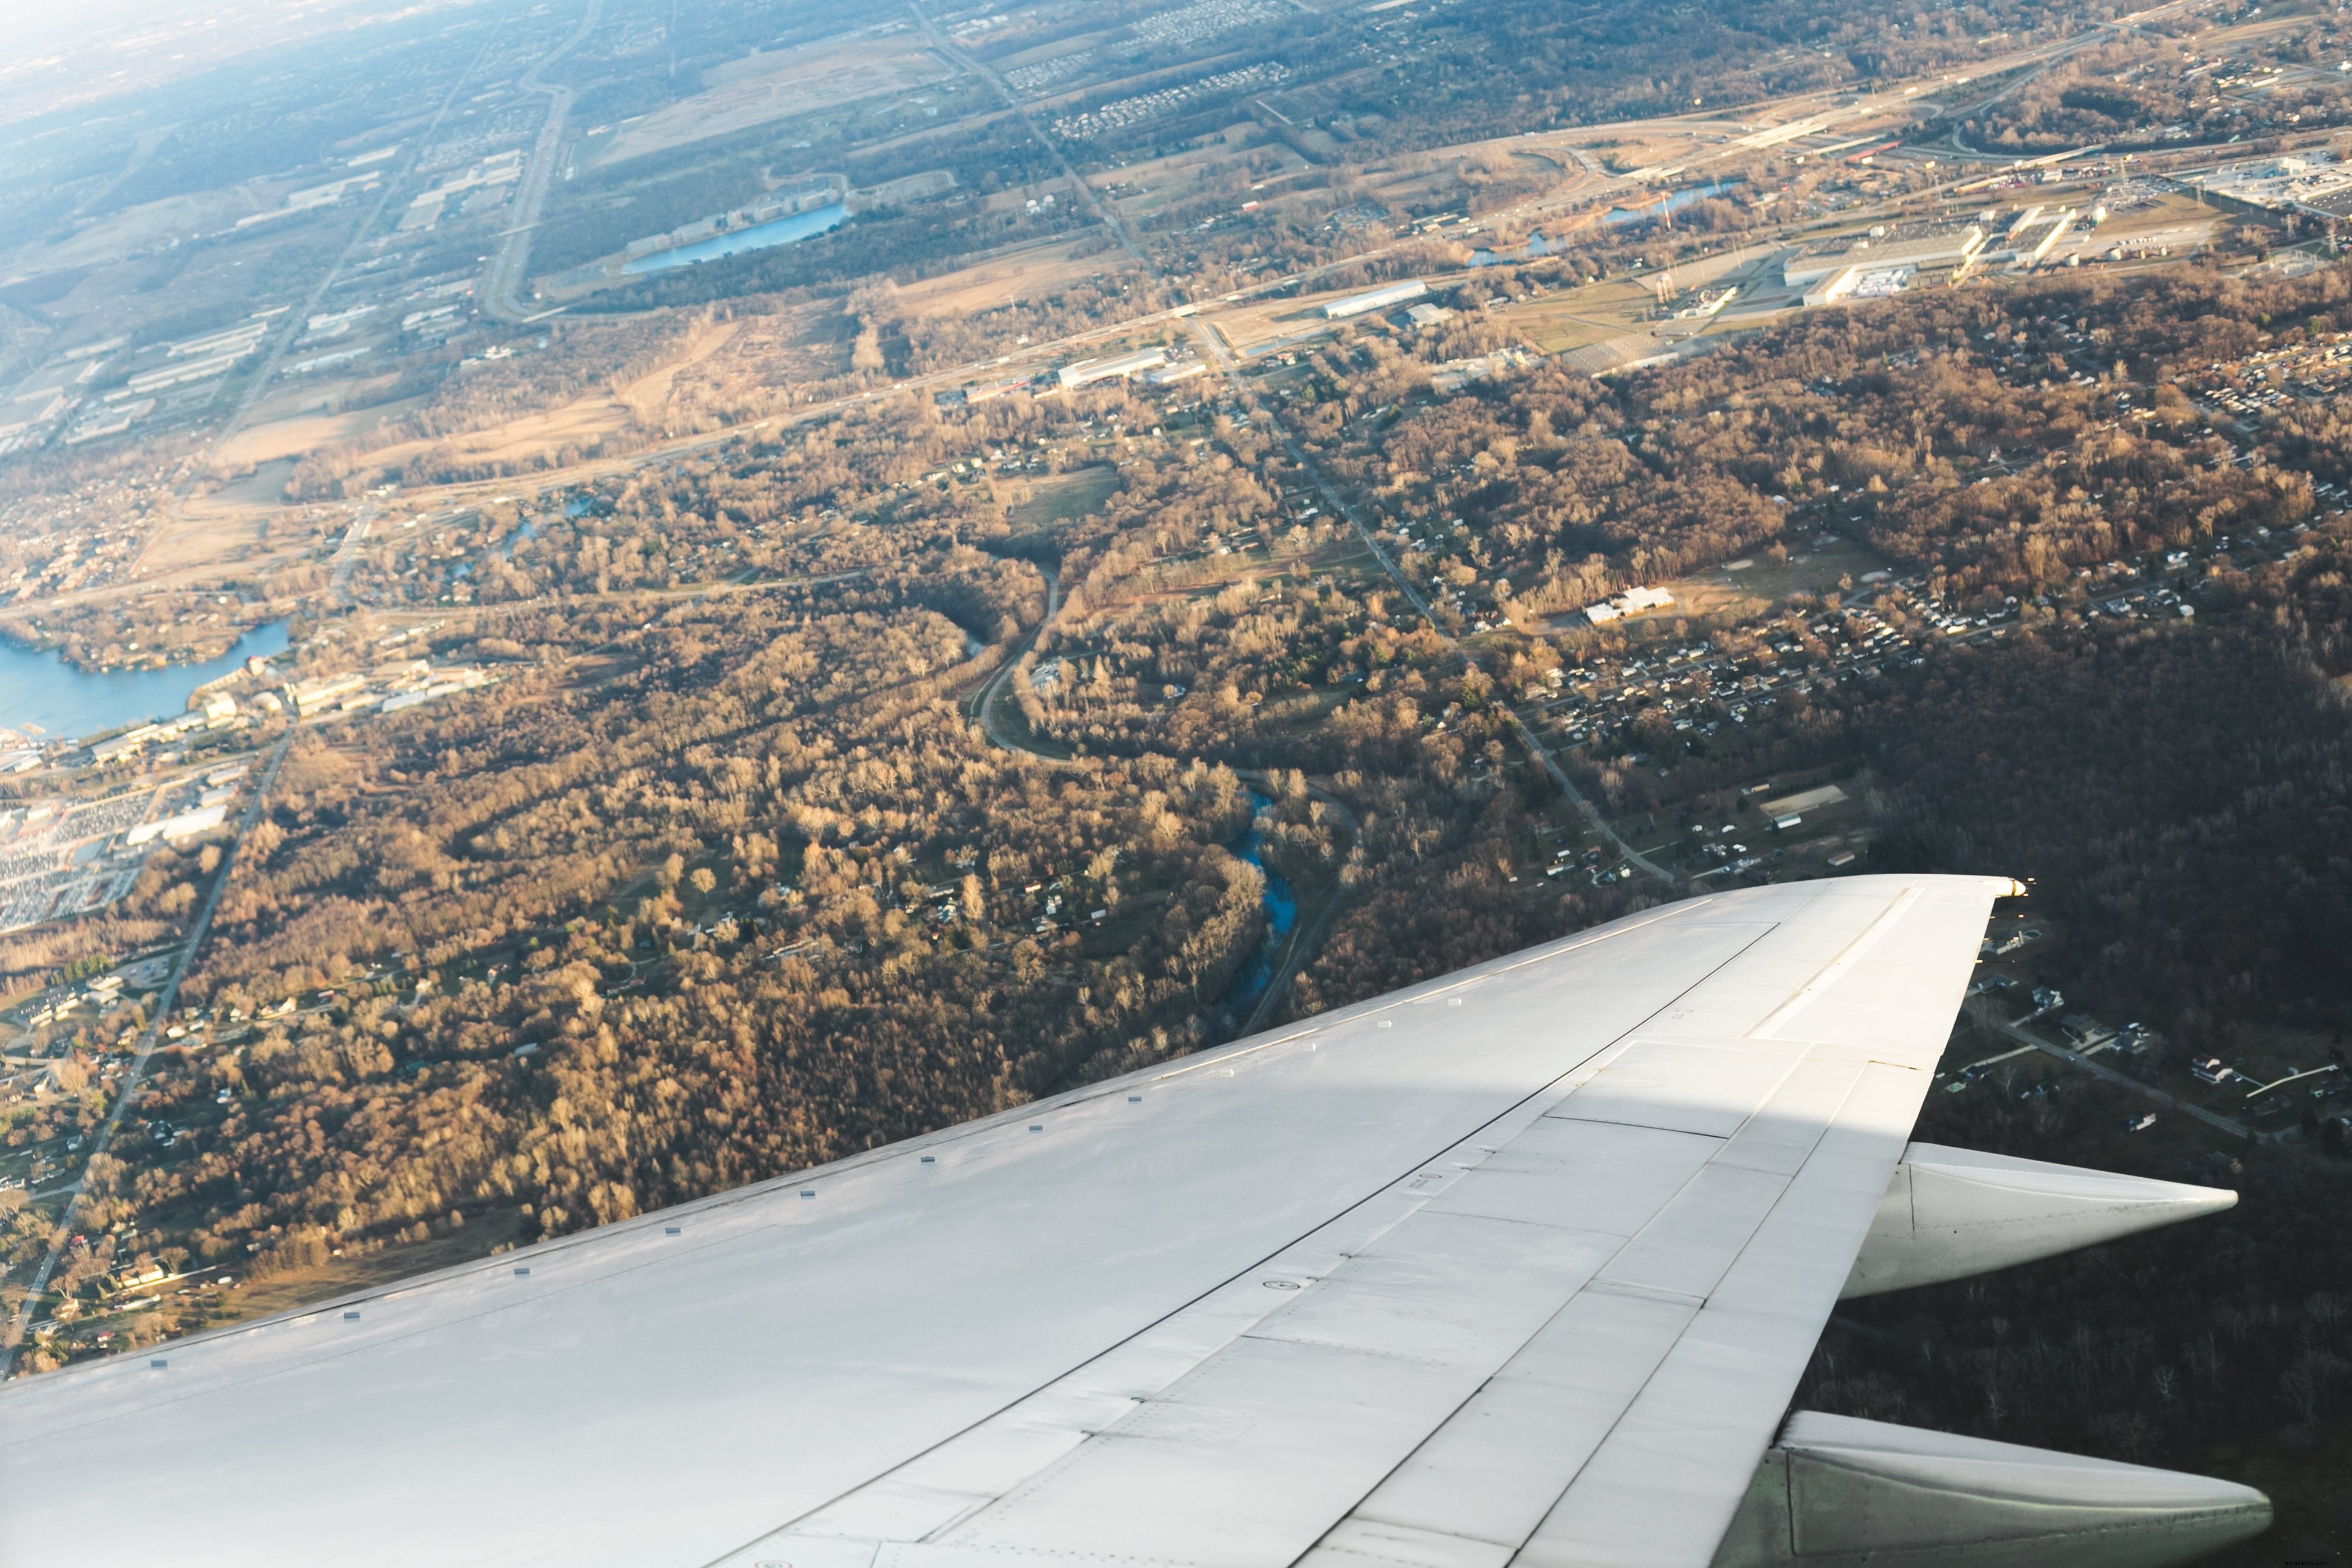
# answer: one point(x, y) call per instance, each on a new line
point(1025, 272)
point(141, 227)
point(1746, 588)
point(289, 438)
point(1042, 502)
point(762, 87)
point(342, 1276)
point(215, 533)
point(525, 440)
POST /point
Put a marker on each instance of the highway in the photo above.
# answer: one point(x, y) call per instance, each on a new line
point(298, 319)
point(501, 295)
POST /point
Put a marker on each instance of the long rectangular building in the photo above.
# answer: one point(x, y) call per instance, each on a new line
point(1377, 299)
point(1088, 372)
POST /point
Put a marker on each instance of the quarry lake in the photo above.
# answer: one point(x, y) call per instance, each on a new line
point(760, 236)
point(41, 693)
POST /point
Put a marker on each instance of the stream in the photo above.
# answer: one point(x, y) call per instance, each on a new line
point(1281, 906)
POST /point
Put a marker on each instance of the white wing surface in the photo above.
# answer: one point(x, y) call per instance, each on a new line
point(1521, 1265)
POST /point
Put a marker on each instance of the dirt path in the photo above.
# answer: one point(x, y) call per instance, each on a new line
point(645, 397)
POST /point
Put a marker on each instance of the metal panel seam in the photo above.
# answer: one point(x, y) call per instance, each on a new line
point(1848, 956)
point(1763, 929)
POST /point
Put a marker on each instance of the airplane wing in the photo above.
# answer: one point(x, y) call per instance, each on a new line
point(1519, 1266)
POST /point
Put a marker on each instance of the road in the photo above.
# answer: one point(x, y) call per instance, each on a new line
point(298, 319)
point(161, 1004)
point(984, 703)
point(347, 554)
point(1305, 938)
point(2122, 1080)
point(501, 295)
point(1212, 349)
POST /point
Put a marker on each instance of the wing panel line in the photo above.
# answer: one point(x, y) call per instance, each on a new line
point(1763, 930)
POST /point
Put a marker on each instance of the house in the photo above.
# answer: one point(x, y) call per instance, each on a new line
point(131, 1276)
point(2087, 1032)
point(2210, 1069)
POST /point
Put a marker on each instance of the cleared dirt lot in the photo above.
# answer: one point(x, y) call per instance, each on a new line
point(1031, 272)
point(298, 433)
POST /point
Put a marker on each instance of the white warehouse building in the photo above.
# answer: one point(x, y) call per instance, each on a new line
point(1377, 299)
point(1088, 372)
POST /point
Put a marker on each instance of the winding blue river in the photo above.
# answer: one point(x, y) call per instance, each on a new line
point(1281, 914)
point(41, 694)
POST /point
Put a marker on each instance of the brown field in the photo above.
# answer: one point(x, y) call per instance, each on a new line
point(265, 486)
point(526, 439)
point(1755, 589)
point(747, 92)
point(1028, 272)
point(290, 438)
point(343, 1275)
point(1562, 332)
point(647, 398)
point(1032, 503)
point(212, 533)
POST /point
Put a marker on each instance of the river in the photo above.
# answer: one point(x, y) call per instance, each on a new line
point(1281, 914)
point(758, 237)
point(41, 694)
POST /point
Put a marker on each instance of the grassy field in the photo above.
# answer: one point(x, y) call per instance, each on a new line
point(1035, 504)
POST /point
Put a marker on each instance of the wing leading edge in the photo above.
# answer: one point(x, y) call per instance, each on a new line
point(1518, 1265)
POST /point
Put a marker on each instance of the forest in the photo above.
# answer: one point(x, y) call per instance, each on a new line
point(729, 875)
point(2141, 95)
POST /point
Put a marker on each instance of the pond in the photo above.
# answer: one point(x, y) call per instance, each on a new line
point(41, 694)
point(758, 237)
point(1617, 217)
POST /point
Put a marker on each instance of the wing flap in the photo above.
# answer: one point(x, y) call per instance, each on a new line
point(1661, 1490)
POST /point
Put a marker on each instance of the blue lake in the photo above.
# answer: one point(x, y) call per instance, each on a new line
point(761, 237)
point(39, 689)
point(1536, 244)
point(1617, 217)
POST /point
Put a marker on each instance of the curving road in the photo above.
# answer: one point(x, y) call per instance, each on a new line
point(1306, 936)
point(1213, 349)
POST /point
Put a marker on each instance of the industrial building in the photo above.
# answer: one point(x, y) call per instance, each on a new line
point(1377, 299)
point(1088, 372)
point(1884, 250)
